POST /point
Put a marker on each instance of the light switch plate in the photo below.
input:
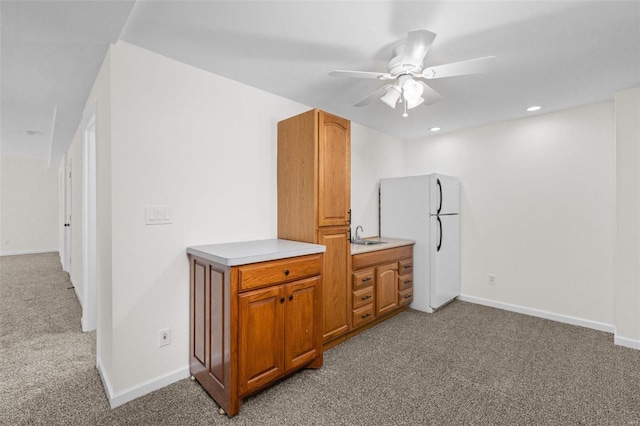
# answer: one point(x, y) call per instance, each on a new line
point(158, 215)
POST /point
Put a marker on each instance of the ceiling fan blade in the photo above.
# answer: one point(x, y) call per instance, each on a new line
point(361, 74)
point(372, 96)
point(430, 96)
point(472, 66)
point(416, 47)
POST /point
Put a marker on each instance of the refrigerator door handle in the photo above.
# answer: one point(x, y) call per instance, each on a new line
point(440, 225)
point(440, 189)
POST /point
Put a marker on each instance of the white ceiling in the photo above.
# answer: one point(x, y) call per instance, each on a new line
point(550, 53)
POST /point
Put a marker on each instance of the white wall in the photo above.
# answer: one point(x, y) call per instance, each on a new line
point(538, 208)
point(373, 156)
point(29, 208)
point(204, 145)
point(627, 288)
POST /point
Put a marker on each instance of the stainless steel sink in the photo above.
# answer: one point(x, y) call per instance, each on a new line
point(368, 242)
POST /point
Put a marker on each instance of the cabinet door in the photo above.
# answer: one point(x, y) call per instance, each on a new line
point(386, 288)
point(260, 338)
point(302, 316)
point(335, 274)
point(334, 170)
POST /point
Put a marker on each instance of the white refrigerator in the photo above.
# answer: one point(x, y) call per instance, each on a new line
point(426, 209)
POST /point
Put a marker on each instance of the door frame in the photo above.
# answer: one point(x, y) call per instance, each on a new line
point(68, 187)
point(89, 224)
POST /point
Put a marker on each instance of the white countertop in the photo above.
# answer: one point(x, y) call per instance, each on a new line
point(387, 244)
point(244, 252)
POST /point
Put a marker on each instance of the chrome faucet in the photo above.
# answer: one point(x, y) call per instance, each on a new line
point(357, 236)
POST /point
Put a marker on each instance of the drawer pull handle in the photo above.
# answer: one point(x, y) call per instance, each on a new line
point(364, 280)
point(282, 300)
point(407, 266)
point(367, 315)
point(291, 297)
point(365, 297)
point(407, 296)
point(408, 282)
point(286, 272)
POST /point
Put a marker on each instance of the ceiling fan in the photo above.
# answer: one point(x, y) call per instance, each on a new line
point(406, 66)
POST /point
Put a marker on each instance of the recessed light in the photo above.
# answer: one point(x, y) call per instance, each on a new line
point(533, 108)
point(434, 129)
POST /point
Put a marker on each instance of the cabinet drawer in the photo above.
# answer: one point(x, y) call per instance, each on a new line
point(363, 278)
point(405, 297)
point(362, 315)
point(262, 274)
point(362, 297)
point(373, 258)
point(405, 282)
point(405, 266)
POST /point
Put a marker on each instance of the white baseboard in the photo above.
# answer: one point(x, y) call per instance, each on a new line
point(122, 397)
point(627, 343)
point(15, 253)
point(539, 313)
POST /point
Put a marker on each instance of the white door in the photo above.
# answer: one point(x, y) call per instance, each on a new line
point(445, 259)
point(67, 218)
point(445, 194)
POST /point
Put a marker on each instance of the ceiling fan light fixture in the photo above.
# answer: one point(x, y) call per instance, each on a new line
point(413, 104)
point(412, 91)
point(391, 97)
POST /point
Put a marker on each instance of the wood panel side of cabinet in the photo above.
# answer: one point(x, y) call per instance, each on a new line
point(334, 170)
point(212, 319)
point(297, 174)
point(335, 274)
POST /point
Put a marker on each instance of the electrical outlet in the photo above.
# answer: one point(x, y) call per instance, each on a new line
point(492, 279)
point(164, 337)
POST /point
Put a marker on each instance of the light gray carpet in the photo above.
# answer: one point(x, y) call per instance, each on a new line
point(465, 364)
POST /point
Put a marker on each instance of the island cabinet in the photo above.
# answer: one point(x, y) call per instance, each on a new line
point(382, 285)
point(254, 323)
point(314, 198)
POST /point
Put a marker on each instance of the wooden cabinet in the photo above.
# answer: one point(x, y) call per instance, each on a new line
point(382, 285)
point(261, 338)
point(251, 325)
point(334, 273)
point(386, 288)
point(278, 333)
point(314, 196)
point(334, 170)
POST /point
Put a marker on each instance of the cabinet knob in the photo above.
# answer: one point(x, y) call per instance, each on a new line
point(282, 300)
point(291, 297)
point(286, 272)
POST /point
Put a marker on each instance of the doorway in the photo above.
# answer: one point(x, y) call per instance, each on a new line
point(89, 225)
point(66, 264)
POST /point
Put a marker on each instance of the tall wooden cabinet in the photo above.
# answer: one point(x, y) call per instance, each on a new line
point(314, 202)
